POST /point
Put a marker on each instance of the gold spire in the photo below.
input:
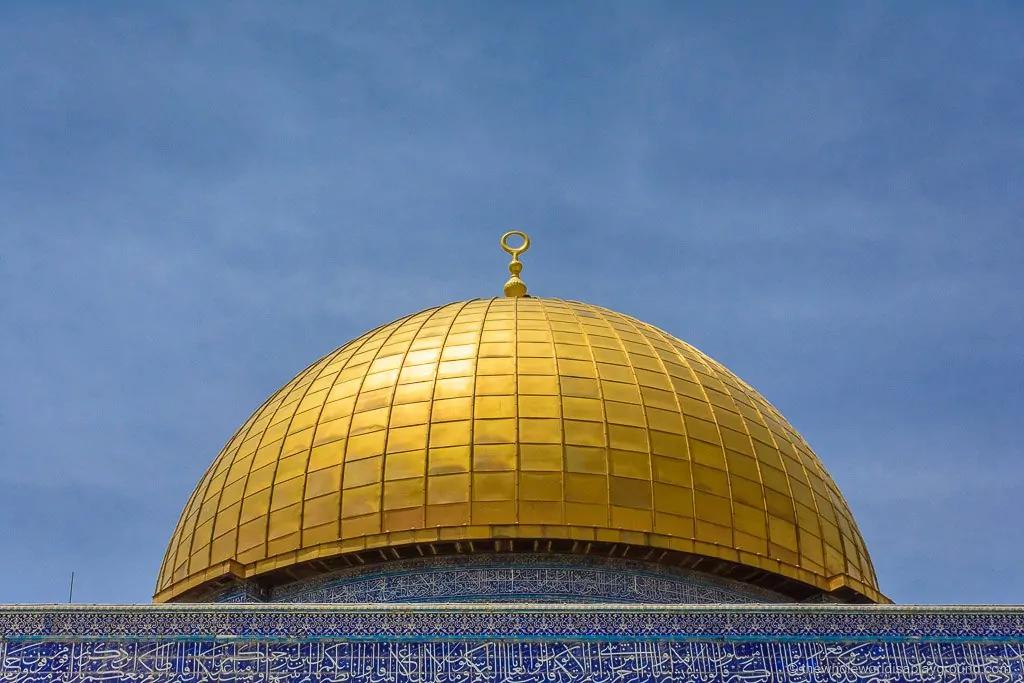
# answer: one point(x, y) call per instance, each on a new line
point(515, 287)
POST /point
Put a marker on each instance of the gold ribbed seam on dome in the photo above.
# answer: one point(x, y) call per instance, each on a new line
point(518, 418)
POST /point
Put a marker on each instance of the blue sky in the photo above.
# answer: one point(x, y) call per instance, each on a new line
point(197, 200)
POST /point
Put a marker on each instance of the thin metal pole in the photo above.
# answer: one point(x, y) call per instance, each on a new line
point(71, 592)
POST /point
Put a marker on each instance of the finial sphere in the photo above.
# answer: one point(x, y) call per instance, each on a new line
point(515, 287)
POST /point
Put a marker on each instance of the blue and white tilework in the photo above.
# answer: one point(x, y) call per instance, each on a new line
point(519, 662)
point(521, 643)
point(518, 577)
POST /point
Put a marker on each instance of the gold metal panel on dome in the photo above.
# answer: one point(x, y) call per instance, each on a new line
point(517, 417)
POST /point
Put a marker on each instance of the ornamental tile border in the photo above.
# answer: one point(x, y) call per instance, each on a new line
point(518, 662)
point(519, 622)
point(508, 662)
point(512, 577)
point(535, 559)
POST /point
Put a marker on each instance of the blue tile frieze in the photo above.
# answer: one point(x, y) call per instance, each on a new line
point(504, 621)
point(507, 661)
point(511, 577)
point(510, 643)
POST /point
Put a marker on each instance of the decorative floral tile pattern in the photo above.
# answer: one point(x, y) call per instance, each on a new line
point(503, 621)
point(522, 662)
point(525, 577)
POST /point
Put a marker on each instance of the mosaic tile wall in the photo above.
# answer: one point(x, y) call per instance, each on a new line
point(541, 662)
point(510, 643)
point(518, 577)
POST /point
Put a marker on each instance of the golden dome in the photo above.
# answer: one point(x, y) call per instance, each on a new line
point(517, 421)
